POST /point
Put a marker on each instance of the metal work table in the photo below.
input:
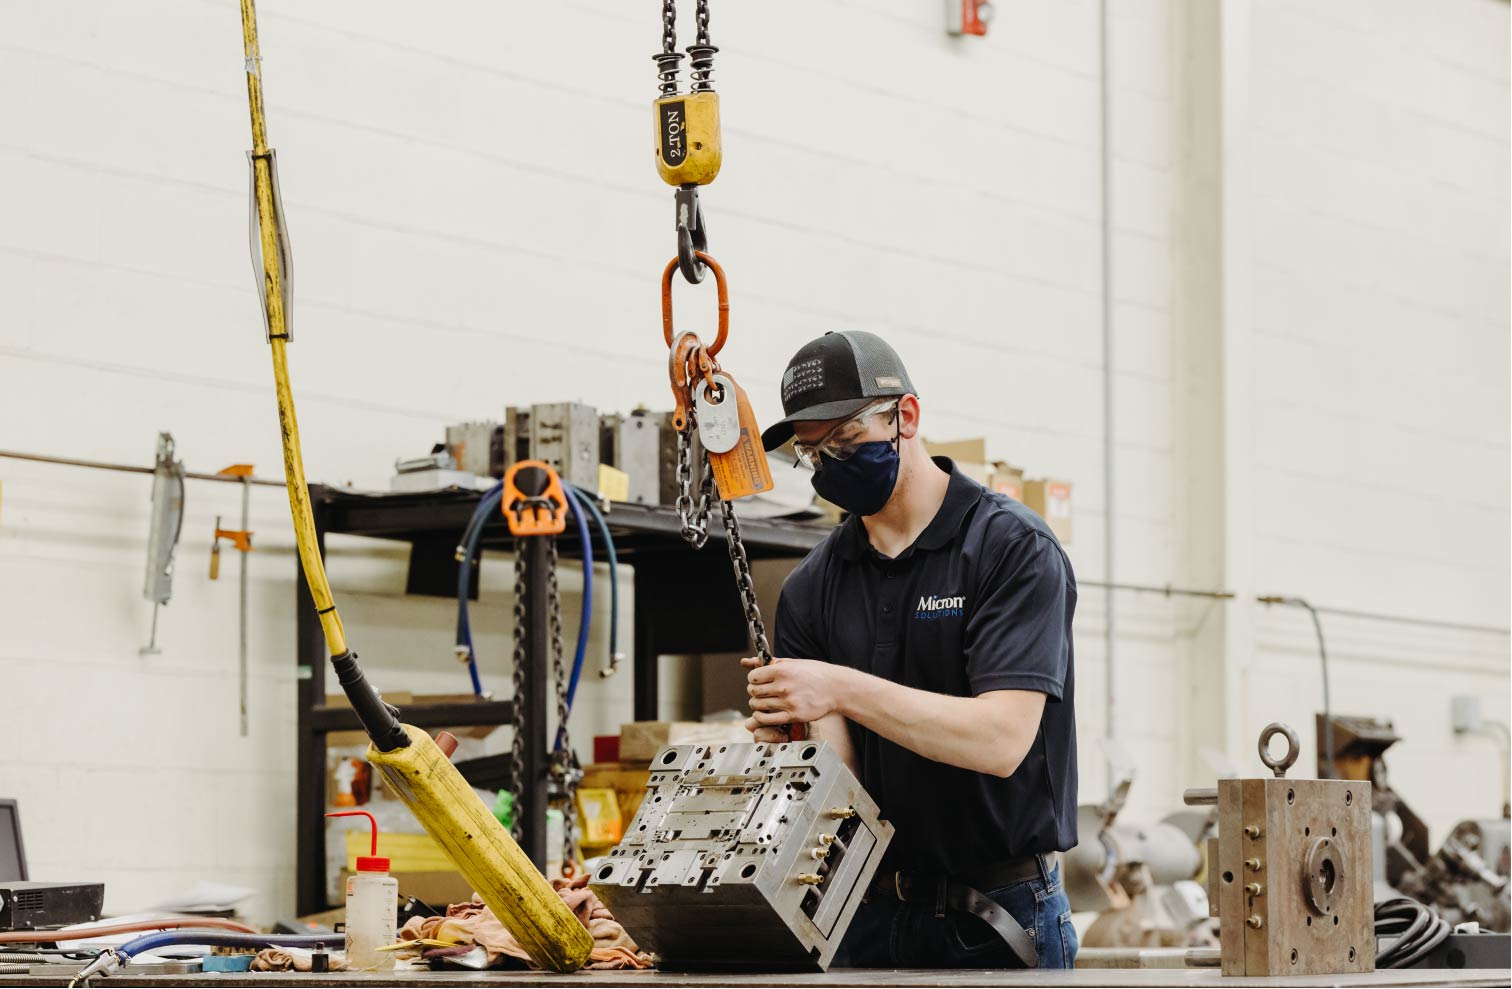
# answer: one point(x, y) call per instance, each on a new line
point(672, 582)
point(835, 978)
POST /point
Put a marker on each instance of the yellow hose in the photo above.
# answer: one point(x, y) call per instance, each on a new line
point(419, 771)
point(299, 505)
point(288, 423)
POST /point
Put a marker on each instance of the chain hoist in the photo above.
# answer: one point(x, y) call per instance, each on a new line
point(710, 405)
point(688, 146)
point(535, 506)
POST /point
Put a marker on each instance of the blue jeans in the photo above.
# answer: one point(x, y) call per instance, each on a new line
point(888, 933)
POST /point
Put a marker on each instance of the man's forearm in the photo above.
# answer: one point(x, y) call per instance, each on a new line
point(832, 729)
point(958, 731)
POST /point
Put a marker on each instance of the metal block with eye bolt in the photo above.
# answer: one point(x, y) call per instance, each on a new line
point(745, 856)
point(1290, 872)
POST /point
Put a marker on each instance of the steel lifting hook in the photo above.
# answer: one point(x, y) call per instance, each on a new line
point(692, 234)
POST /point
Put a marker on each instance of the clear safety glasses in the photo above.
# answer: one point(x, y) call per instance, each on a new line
point(841, 442)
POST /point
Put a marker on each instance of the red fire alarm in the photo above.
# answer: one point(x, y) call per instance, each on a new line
point(967, 16)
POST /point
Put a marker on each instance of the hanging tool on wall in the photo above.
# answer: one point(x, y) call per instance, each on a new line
point(688, 151)
point(163, 536)
point(414, 766)
point(241, 541)
point(535, 507)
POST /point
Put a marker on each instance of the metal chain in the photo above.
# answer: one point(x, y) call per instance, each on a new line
point(702, 54)
point(669, 26)
point(703, 21)
point(669, 58)
point(516, 779)
point(695, 520)
point(562, 762)
point(754, 625)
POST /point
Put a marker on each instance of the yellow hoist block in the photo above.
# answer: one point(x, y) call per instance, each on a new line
point(688, 149)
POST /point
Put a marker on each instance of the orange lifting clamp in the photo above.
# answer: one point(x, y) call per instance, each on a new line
point(534, 503)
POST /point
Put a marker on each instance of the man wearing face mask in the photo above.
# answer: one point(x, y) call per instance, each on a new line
point(928, 639)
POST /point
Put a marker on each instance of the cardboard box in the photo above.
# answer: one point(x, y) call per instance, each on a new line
point(1052, 500)
point(641, 740)
point(970, 457)
point(1007, 479)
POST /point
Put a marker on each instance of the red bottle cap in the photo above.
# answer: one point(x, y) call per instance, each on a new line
point(372, 862)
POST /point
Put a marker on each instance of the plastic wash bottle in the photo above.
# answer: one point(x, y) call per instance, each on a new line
point(372, 908)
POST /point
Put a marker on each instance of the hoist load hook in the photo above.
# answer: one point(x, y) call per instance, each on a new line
point(721, 289)
point(692, 235)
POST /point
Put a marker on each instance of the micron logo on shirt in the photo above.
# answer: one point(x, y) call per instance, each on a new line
point(933, 607)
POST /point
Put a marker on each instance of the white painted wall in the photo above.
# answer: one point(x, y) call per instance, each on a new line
point(472, 207)
point(1379, 270)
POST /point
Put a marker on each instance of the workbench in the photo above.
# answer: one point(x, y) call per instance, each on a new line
point(673, 584)
point(1194, 978)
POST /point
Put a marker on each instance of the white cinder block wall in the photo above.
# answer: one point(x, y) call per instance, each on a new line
point(476, 222)
point(1378, 268)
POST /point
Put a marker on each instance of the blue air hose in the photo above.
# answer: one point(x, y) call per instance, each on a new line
point(472, 535)
point(590, 501)
point(228, 939)
point(114, 959)
point(579, 500)
point(585, 613)
point(467, 551)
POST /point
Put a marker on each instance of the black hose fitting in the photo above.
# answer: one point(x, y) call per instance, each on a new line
point(379, 718)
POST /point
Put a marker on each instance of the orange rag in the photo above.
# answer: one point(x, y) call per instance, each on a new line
point(475, 923)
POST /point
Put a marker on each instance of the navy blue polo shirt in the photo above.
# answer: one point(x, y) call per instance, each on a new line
point(981, 601)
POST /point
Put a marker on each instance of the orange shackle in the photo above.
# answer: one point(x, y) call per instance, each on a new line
point(724, 301)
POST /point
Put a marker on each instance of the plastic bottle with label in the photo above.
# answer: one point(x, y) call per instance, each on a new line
point(372, 908)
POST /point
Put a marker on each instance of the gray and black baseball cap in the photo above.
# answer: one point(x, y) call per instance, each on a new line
point(834, 377)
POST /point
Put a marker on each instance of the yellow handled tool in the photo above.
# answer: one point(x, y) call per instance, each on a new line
point(409, 759)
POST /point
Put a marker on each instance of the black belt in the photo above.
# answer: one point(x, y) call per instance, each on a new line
point(953, 894)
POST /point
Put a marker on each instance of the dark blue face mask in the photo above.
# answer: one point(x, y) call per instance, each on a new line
point(862, 483)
